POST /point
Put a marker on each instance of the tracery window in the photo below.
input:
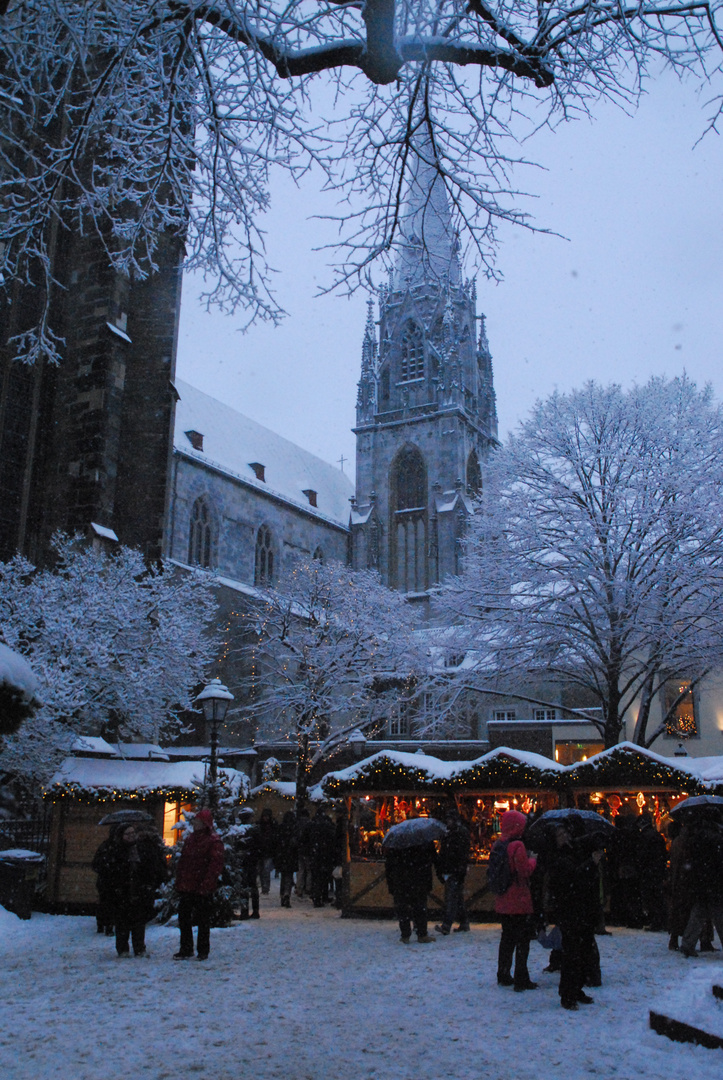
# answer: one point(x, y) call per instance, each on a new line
point(264, 569)
point(408, 537)
point(412, 353)
point(474, 475)
point(199, 535)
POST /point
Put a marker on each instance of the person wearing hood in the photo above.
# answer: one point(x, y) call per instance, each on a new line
point(199, 867)
point(515, 907)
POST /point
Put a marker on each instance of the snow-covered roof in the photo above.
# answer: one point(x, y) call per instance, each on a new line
point(93, 744)
point(232, 442)
point(119, 775)
point(393, 769)
point(16, 672)
point(200, 752)
point(141, 751)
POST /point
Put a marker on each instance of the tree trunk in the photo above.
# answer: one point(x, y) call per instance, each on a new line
point(302, 770)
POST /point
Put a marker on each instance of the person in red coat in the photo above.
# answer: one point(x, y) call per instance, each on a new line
point(514, 907)
point(199, 868)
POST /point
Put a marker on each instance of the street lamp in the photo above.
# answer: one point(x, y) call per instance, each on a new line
point(214, 699)
point(357, 740)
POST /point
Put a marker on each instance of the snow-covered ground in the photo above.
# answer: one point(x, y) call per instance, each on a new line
point(305, 995)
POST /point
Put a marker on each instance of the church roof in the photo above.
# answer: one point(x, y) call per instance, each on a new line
point(233, 443)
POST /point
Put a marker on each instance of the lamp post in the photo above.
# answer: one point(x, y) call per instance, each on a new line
point(214, 699)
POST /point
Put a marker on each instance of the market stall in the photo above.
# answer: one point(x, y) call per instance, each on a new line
point(84, 790)
point(392, 786)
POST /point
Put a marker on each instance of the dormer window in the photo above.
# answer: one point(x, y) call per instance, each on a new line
point(259, 470)
point(196, 439)
point(311, 496)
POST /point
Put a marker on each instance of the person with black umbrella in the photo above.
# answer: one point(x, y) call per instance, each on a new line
point(409, 855)
point(704, 849)
point(574, 880)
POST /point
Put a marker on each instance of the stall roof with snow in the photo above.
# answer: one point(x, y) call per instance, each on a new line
point(100, 780)
point(625, 765)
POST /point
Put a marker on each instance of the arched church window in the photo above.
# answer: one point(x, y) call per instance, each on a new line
point(409, 479)
point(474, 475)
point(319, 555)
point(412, 352)
point(408, 532)
point(264, 569)
point(199, 536)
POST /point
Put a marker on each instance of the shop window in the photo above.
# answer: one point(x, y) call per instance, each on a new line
point(264, 569)
point(567, 753)
point(680, 718)
point(199, 537)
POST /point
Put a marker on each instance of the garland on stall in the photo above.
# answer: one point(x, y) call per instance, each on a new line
point(625, 768)
point(72, 791)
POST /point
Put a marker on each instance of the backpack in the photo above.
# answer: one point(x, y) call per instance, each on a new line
point(499, 871)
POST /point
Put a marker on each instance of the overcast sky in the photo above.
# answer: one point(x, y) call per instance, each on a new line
point(634, 289)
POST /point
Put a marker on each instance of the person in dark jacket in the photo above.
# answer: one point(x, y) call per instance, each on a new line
point(199, 867)
point(451, 867)
point(653, 858)
point(515, 907)
point(248, 848)
point(704, 848)
point(322, 855)
point(303, 876)
point(681, 892)
point(268, 839)
point(135, 868)
point(574, 877)
point(286, 860)
point(100, 866)
point(409, 880)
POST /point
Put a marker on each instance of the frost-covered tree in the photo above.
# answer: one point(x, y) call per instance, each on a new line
point(596, 559)
point(115, 647)
point(331, 651)
point(134, 117)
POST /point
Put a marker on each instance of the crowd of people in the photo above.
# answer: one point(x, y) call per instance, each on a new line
point(305, 852)
point(576, 871)
point(578, 867)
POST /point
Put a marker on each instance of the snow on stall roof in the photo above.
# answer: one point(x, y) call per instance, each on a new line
point(103, 531)
point(524, 757)
point(123, 775)
point(141, 751)
point(16, 672)
point(681, 764)
point(232, 441)
point(437, 769)
point(433, 766)
point(200, 752)
point(93, 744)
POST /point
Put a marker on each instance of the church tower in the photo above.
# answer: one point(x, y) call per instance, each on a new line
point(426, 415)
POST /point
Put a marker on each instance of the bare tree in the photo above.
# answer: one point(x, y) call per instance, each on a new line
point(332, 651)
point(596, 560)
point(137, 117)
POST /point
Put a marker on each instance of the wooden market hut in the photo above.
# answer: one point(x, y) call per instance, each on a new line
point(84, 790)
point(389, 786)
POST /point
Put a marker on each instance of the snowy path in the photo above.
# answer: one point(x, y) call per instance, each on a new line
point(305, 995)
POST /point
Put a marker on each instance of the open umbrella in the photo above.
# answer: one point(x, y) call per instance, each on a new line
point(697, 802)
point(413, 833)
point(592, 822)
point(125, 817)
